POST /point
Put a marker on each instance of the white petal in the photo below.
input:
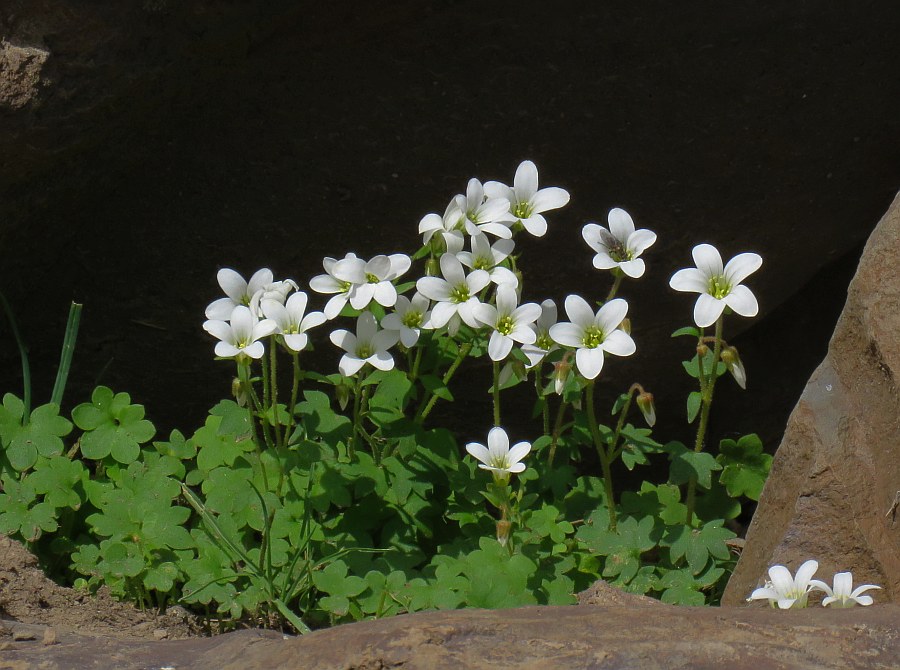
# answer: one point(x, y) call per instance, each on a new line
point(433, 288)
point(621, 224)
point(385, 339)
point(350, 365)
point(640, 240)
point(381, 360)
point(465, 311)
point(351, 270)
point(452, 270)
point(429, 224)
point(486, 314)
point(589, 362)
point(343, 339)
point(479, 451)
point(409, 336)
point(619, 343)
point(255, 350)
point(361, 295)
point(763, 593)
point(591, 234)
point(506, 300)
point(232, 283)
point(219, 329)
point(610, 316)
point(501, 230)
point(603, 261)
point(742, 301)
point(498, 442)
point(477, 280)
point(325, 284)
point(742, 266)
point(782, 581)
point(504, 277)
point(633, 268)
point(690, 280)
point(220, 310)
point(296, 306)
point(442, 313)
point(707, 310)
point(819, 585)
point(527, 313)
point(518, 452)
point(525, 182)
point(296, 341)
point(536, 225)
point(366, 327)
point(242, 322)
point(579, 311)
point(312, 320)
point(226, 350)
point(385, 294)
point(260, 279)
point(843, 583)
point(549, 198)
point(567, 334)
point(499, 346)
point(708, 260)
point(334, 306)
point(496, 189)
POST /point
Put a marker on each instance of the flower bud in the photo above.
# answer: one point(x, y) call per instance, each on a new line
point(503, 528)
point(626, 325)
point(561, 372)
point(239, 392)
point(732, 361)
point(647, 407)
point(342, 393)
point(432, 267)
point(702, 350)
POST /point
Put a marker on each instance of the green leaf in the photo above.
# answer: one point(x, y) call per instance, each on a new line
point(687, 330)
point(40, 436)
point(20, 514)
point(437, 387)
point(745, 466)
point(496, 579)
point(58, 481)
point(339, 586)
point(235, 420)
point(686, 464)
point(694, 400)
point(696, 545)
point(113, 426)
point(680, 588)
point(177, 447)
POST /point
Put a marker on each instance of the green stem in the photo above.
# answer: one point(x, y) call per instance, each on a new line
point(542, 400)
point(23, 354)
point(414, 370)
point(496, 387)
point(557, 429)
point(424, 411)
point(614, 452)
point(705, 405)
point(357, 401)
point(273, 381)
point(295, 389)
point(604, 458)
point(616, 284)
point(65, 357)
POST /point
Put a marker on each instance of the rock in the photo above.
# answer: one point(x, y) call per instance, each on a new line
point(20, 74)
point(836, 476)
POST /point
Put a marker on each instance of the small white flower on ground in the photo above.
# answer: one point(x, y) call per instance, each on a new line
point(784, 590)
point(408, 318)
point(543, 343)
point(509, 321)
point(328, 283)
point(369, 345)
point(497, 456)
point(372, 280)
point(593, 334)
point(486, 256)
point(291, 319)
point(843, 594)
point(241, 334)
point(456, 294)
point(620, 246)
point(449, 226)
point(482, 215)
point(526, 202)
point(719, 287)
point(238, 291)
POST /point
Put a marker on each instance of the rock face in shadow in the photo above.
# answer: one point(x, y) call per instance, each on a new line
point(836, 475)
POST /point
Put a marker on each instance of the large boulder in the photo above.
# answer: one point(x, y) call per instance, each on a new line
point(836, 476)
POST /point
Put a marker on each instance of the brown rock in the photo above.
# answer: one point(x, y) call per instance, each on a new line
point(837, 472)
point(20, 74)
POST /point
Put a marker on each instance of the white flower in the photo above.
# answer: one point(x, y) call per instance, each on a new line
point(543, 343)
point(328, 283)
point(485, 256)
point(509, 321)
point(449, 226)
point(718, 287)
point(526, 202)
point(456, 294)
point(368, 345)
point(371, 280)
point(276, 290)
point(291, 321)
point(497, 456)
point(592, 334)
point(844, 595)
point(238, 290)
point(620, 246)
point(783, 589)
point(482, 215)
point(408, 318)
point(241, 335)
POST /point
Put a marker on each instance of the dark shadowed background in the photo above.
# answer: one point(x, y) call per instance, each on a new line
point(144, 145)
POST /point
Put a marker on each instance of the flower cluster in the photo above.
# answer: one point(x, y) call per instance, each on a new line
point(792, 592)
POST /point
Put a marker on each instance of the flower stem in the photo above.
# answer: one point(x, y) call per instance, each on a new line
point(273, 382)
point(615, 287)
point(705, 404)
point(295, 389)
point(557, 429)
point(424, 411)
point(496, 387)
point(621, 423)
point(601, 452)
point(542, 400)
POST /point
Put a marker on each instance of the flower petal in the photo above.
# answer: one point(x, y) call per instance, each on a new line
point(525, 182)
point(619, 343)
point(621, 224)
point(479, 451)
point(742, 301)
point(536, 225)
point(708, 260)
point(633, 268)
point(220, 310)
point(742, 266)
point(567, 334)
point(589, 362)
point(579, 311)
point(610, 316)
point(350, 365)
point(518, 452)
point(707, 310)
point(782, 580)
point(805, 573)
point(433, 288)
point(232, 283)
point(689, 280)
point(640, 240)
point(499, 346)
point(549, 198)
